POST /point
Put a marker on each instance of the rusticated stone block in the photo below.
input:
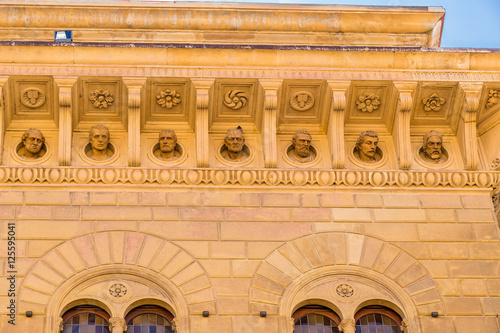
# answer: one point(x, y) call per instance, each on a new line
point(227, 250)
point(103, 199)
point(47, 198)
point(441, 201)
point(183, 199)
point(401, 201)
point(117, 213)
point(337, 200)
point(259, 231)
point(465, 306)
point(258, 214)
point(222, 199)
point(472, 324)
point(433, 232)
point(369, 200)
point(280, 200)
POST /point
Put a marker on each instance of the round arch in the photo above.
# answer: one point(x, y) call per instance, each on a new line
point(138, 260)
point(306, 267)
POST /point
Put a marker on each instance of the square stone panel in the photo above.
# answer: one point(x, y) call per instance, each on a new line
point(303, 102)
point(101, 100)
point(235, 101)
point(33, 100)
point(439, 99)
point(489, 107)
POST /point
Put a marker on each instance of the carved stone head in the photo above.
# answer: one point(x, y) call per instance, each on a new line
point(99, 140)
point(433, 147)
point(366, 147)
point(33, 141)
point(301, 142)
point(234, 142)
point(167, 141)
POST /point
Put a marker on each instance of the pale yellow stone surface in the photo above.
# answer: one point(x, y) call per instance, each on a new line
point(239, 239)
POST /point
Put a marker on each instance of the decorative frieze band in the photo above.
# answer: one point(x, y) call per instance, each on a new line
point(249, 177)
point(242, 72)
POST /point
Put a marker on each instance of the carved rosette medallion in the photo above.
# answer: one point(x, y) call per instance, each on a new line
point(235, 99)
point(344, 290)
point(118, 290)
point(32, 98)
point(368, 102)
point(101, 99)
point(433, 103)
point(493, 98)
point(302, 101)
point(168, 98)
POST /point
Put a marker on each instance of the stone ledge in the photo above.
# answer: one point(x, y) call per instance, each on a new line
point(250, 177)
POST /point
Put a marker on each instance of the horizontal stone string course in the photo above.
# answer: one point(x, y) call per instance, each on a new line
point(242, 72)
point(249, 177)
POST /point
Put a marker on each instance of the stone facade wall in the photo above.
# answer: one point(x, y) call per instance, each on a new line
point(235, 252)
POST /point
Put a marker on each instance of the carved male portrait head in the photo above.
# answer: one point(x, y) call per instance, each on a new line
point(234, 142)
point(167, 141)
point(33, 141)
point(432, 148)
point(99, 140)
point(366, 147)
point(301, 142)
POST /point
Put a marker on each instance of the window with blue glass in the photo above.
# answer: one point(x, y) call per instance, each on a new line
point(377, 319)
point(85, 319)
point(317, 319)
point(149, 319)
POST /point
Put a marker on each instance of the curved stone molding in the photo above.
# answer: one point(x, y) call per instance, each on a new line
point(235, 99)
point(32, 97)
point(283, 280)
point(249, 177)
point(106, 253)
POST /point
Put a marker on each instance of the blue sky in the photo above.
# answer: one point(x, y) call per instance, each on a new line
point(467, 23)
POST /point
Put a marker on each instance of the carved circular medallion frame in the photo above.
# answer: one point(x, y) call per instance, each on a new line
point(429, 165)
point(297, 164)
point(118, 291)
point(345, 291)
point(18, 149)
point(39, 100)
point(111, 146)
point(246, 148)
point(155, 147)
point(375, 165)
point(307, 104)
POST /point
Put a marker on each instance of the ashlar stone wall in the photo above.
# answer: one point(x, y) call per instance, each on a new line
point(236, 252)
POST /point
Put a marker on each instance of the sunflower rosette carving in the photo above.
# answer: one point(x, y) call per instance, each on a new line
point(168, 98)
point(433, 103)
point(368, 102)
point(101, 98)
point(235, 99)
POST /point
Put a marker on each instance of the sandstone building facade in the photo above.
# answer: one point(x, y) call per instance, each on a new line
point(197, 167)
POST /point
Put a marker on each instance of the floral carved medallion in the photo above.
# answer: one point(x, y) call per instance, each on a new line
point(368, 102)
point(168, 98)
point(101, 99)
point(493, 98)
point(433, 103)
point(344, 290)
point(235, 99)
point(118, 290)
point(32, 98)
point(302, 101)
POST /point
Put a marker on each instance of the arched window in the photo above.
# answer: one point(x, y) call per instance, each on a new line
point(378, 319)
point(85, 319)
point(149, 319)
point(316, 318)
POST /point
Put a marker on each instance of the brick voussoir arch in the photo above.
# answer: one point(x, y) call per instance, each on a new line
point(305, 255)
point(109, 252)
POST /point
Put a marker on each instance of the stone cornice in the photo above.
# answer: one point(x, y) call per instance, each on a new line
point(249, 72)
point(315, 178)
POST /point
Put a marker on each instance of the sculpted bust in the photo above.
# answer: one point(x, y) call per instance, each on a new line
point(99, 140)
point(234, 142)
point(33, 141)
point(301, 152)
point(432, 148)
point(366, 147)
point(167, 142)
